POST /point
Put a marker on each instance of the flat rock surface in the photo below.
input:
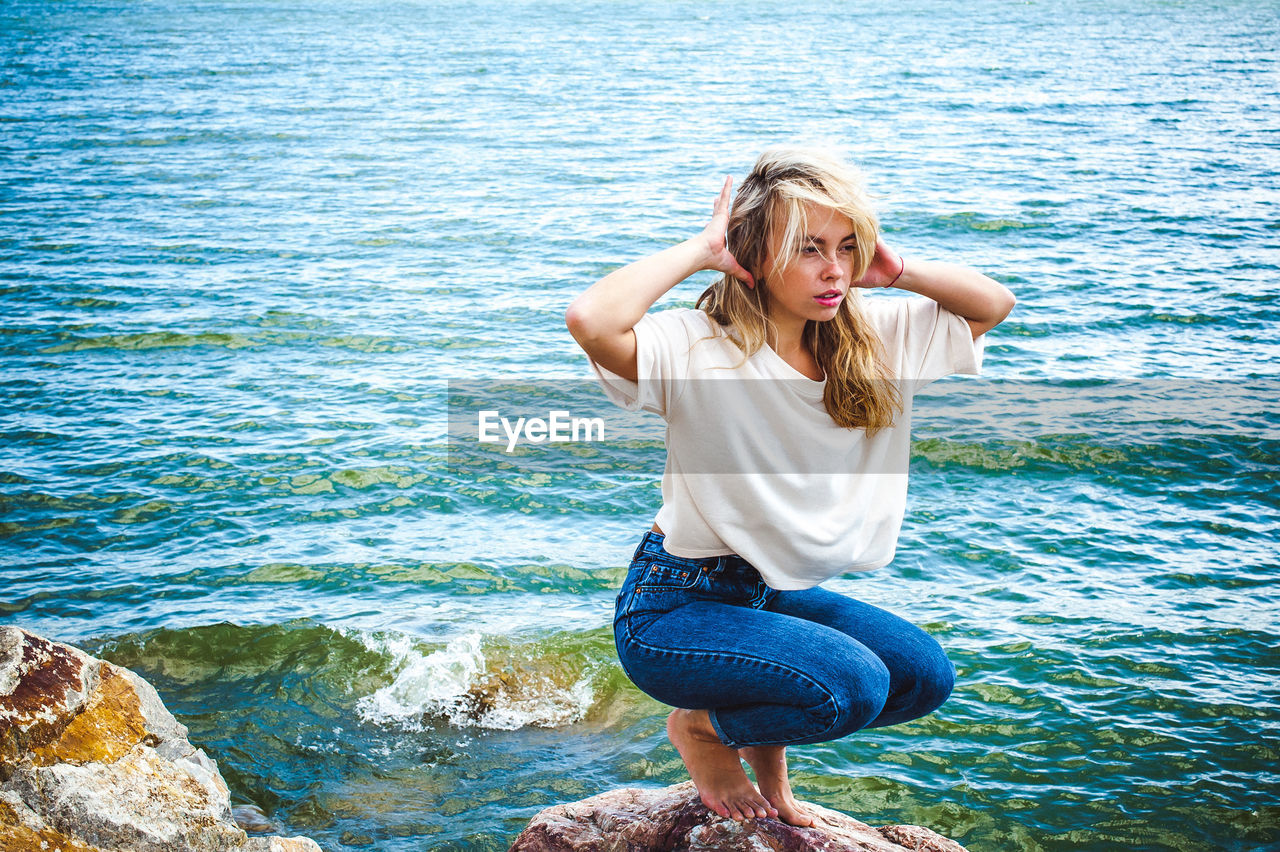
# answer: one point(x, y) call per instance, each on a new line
point(90, 759)
point(673, 818)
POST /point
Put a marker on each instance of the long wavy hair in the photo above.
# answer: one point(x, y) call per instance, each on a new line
point(769, 209)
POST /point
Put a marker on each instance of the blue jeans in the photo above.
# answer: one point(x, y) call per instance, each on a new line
point(772, 667)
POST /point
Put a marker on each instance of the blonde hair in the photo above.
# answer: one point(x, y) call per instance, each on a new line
point(769, 209)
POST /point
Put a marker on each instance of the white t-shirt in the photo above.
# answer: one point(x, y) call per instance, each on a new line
point(755, 465)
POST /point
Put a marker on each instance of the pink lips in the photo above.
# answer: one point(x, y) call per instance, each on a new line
point(829, 298)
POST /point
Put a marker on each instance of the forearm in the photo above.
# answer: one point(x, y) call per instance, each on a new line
point(960, 289)
point(615, 303)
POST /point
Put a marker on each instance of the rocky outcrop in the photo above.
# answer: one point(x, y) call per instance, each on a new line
point(674, 818)
point(91, 760)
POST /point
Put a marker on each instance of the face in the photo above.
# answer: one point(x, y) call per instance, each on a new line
point(819, 275)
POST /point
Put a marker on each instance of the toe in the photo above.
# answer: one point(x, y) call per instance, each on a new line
point(801, 817)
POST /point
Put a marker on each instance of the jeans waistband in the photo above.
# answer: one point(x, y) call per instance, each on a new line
point(651, 543)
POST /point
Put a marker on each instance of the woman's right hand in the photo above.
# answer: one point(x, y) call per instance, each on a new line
point(718, 256)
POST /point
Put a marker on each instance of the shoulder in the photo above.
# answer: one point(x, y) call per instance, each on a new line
point(922, 339)
point(897, 317)
point(886, 308)
point(885, 314)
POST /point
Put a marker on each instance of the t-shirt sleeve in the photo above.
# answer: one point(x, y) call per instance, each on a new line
point(925, 341)
point(663, 340)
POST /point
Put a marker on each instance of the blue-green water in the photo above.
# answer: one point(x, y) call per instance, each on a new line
point(243, 245)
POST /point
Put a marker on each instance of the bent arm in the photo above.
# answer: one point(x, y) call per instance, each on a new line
point(603, 318)
point(983, 302)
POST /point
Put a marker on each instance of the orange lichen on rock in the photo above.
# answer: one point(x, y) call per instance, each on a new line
point(92, 761)
point(106, 730)
point(42, 688)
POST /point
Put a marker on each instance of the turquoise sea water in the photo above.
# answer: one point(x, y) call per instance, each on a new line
point(245, 245)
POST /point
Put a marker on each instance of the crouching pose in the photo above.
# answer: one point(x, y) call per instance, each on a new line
point(787, 399)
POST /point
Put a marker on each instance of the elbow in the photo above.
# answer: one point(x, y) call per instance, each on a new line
point(577, 319)
point(1006, 305)
point(1000, 307)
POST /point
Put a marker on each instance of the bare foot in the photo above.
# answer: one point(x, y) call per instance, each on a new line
point(770, 765)
point(715, 768)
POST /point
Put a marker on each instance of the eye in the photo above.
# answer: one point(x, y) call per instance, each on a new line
point(810, 249)
point(848, 248)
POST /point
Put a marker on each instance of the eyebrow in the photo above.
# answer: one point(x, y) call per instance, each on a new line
point(820, 241)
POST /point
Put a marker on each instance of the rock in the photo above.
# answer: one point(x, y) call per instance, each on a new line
point(674, 818)
point(91, 760)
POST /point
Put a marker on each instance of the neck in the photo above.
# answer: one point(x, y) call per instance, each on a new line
point(786, 338)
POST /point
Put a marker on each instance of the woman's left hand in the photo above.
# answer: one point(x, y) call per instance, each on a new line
point(885, 266)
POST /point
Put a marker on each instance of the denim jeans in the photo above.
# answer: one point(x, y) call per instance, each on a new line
point(772, 667)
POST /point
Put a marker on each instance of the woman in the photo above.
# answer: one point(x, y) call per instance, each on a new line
point(787, 397)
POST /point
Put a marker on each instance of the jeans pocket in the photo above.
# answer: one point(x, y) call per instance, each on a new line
point(660, 575)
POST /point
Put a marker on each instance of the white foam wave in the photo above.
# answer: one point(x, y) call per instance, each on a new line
point(457, 683)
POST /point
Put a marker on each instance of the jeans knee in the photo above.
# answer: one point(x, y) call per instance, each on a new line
point(921, 689)
point(934, 686)
point(859, 699)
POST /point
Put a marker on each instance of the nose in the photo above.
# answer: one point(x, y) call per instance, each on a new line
point(832, 267)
